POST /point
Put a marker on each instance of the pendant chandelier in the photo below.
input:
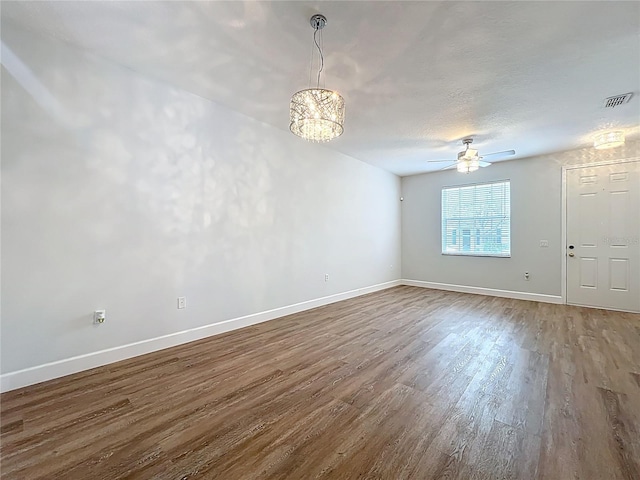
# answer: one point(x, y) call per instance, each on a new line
point(317, 114)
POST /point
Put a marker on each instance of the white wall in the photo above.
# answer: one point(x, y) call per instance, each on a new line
point(536, 190)
point(123, 193)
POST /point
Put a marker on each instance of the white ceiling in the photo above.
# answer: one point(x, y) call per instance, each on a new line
point(417, 77)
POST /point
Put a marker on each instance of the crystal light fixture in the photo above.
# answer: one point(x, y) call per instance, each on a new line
point(606, 140)
point(317, 114)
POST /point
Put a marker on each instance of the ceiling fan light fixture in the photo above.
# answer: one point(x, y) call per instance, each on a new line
point(468, 160)
point(468, 165)
point(606, 140)
point(317, 114)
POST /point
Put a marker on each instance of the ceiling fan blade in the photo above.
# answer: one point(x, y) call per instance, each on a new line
point(440, 161)
point(453, 165)
point(505, 153)
point(483, 164)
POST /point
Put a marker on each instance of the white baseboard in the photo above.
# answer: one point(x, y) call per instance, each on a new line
point(48, 371)
point(492, 292)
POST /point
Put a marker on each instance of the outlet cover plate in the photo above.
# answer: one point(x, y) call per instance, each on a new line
point(99, 316)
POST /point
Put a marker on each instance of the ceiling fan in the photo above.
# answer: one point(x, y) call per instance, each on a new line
point(468, 160)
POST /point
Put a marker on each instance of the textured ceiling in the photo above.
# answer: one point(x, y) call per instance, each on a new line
point(417, 77)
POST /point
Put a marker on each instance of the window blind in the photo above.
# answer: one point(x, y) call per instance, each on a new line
point(476, 219)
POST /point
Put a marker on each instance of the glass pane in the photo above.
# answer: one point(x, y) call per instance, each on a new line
point(476, 219)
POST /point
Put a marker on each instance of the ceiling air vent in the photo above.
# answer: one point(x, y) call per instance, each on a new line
point(612, 102)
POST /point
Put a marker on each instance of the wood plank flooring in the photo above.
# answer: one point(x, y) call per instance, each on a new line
point(403, 383)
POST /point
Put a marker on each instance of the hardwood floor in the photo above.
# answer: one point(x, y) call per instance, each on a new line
point(403, 383)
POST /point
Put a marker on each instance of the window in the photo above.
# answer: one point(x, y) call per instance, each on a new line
point(485, 210)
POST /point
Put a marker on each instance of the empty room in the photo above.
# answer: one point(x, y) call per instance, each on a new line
point(303, 240)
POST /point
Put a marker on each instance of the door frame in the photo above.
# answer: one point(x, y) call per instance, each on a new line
point(563, 237)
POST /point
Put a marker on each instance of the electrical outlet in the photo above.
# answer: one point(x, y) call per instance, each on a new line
point(526, 276)
point(326, 277)
point(544, 243)
point(99, 316)
point(182, 302)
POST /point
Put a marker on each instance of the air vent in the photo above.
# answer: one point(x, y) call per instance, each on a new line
point(612, 102)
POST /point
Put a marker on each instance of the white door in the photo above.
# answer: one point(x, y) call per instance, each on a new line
point(603, 236)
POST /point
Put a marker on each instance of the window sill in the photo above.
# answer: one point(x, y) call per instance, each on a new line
point(465, 254)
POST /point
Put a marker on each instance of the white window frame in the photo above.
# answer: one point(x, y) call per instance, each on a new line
point(459, 237)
